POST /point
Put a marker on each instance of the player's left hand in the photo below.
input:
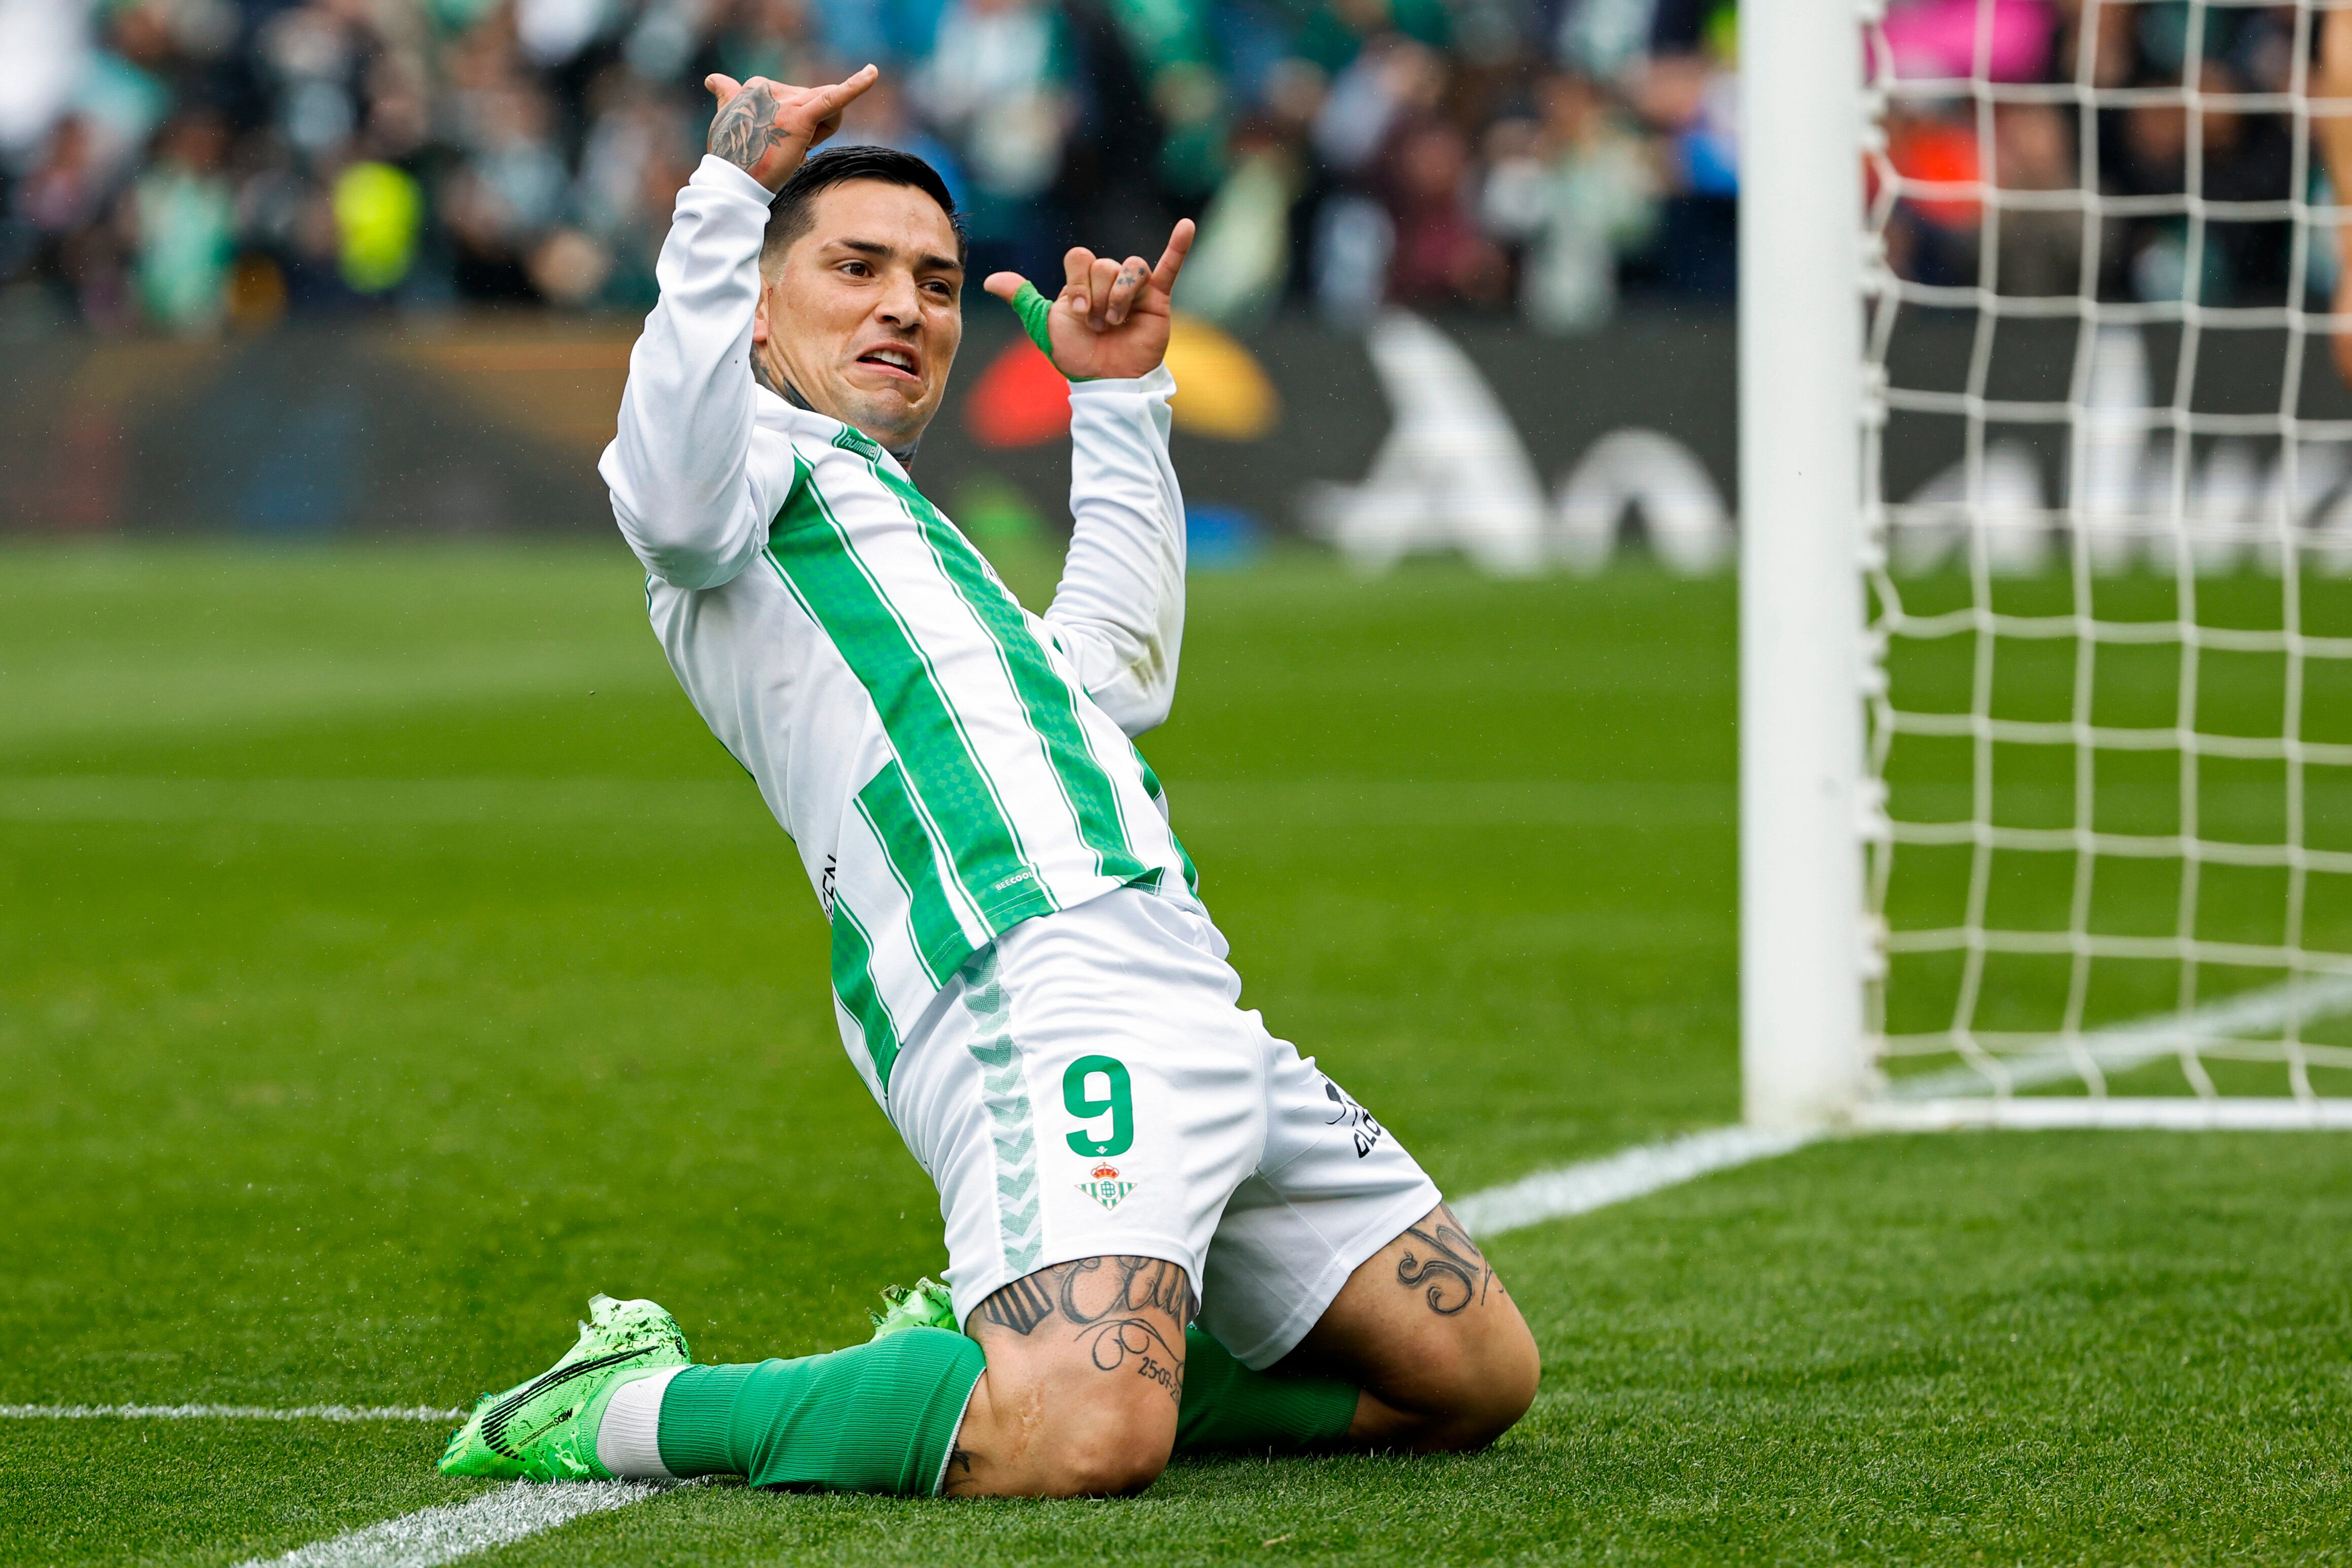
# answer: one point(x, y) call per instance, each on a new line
point(1110, 321)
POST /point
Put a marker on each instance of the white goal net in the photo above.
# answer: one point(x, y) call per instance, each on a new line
point(2106, 522)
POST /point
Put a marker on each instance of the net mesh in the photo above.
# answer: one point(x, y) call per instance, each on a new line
point(2109, 501)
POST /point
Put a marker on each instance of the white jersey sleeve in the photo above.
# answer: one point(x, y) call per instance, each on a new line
point(685, 493)
point(1119, 614)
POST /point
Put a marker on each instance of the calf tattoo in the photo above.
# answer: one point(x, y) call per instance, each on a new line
point(1449, 1265)
point(1116, 1307)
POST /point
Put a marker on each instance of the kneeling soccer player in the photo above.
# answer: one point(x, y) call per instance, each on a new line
point(1167, 1232)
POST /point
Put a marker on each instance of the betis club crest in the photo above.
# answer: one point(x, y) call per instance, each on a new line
point(1106, 1188)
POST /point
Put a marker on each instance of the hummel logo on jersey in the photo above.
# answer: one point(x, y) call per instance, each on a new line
point(1106, 1188)
point(1361, 1123)
point(850, 439)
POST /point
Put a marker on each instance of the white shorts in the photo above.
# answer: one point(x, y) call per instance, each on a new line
point(1085, 1087)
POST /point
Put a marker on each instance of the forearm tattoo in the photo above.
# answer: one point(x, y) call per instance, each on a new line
point(1117, 1306)
point(745, 127)
point(1447, 1264)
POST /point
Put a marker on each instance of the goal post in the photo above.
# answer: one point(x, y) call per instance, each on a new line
point(2045, 469)
point(1801, 954)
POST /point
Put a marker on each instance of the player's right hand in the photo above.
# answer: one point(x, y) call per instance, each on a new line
point(765, 128)
point(1111, 318)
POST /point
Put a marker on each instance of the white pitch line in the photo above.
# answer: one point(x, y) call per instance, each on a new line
point(435, 1535)
point(1615, 1178)
point(228, 1413)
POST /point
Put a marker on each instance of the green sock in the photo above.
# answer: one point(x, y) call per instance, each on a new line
point(1033, 309)
point(877, 1417)
point(1228, 1407)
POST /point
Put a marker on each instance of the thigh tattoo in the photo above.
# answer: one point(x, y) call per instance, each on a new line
point(1448, 1266)
point(1107, 1304)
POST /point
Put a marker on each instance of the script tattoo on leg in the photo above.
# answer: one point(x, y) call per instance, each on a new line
point(1449, 1266)
point(744, 126)
point(1110, 1305)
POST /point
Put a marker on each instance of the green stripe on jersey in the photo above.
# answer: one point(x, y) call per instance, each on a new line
point(1049, 699)
point(1151, 787)
point(811, 553)
point(890, 811)
point(853, 982)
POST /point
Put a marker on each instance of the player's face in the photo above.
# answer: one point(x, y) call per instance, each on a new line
point(863, 314)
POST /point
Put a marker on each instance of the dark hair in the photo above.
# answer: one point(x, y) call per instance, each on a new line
point(789, 216)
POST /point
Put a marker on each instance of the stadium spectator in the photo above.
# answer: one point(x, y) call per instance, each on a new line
point(2195, 126)
point(1581, 192)
point(200, 166)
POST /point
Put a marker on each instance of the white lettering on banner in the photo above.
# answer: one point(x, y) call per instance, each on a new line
point(2120, 492)
point(1455, 474)
point(2008, 507)
point(1689, 528)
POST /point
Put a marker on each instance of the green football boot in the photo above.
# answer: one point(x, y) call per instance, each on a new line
point(927, 1306)
point(545, 1430)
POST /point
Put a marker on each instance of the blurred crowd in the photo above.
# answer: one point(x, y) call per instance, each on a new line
point(193, 166)
point(2130, 161)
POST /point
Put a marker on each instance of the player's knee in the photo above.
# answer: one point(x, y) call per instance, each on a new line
point(1090, 1457)
point(1483, 1387)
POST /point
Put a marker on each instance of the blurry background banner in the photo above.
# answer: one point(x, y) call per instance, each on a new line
point(1404, 435)
point(1407, 435)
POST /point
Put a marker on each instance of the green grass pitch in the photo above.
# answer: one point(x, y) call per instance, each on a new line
point(389, 959)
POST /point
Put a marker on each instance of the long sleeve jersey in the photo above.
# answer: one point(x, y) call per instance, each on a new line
point(947, 764)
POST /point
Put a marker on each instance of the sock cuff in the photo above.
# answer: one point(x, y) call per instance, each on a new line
point(628, 1436)
point(696, 1417)
point(1228, 1408)
point(879, 1418)
point(947, 1449)
point(943, 1414)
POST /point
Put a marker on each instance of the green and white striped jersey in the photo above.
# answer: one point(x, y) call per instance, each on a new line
point(948, 764)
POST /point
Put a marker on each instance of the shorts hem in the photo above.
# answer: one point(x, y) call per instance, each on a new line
point(967, 1300)
point(1387, 1223)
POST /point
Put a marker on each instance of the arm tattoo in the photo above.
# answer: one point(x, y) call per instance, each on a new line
point(1450, 1265)
point(744, 127)
point(1110, 1305)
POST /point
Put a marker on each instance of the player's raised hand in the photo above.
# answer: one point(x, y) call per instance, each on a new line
point(1111, 318)
point(765, 128)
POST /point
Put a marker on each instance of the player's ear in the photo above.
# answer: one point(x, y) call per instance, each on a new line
point(759, 313)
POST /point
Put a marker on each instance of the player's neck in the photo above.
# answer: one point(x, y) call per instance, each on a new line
point(777, 381)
